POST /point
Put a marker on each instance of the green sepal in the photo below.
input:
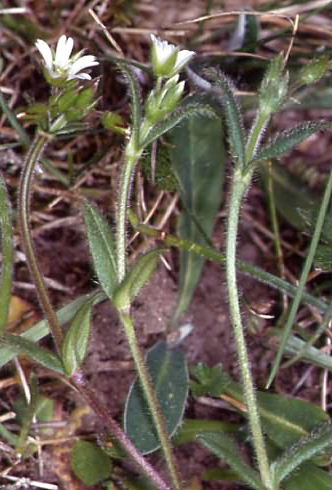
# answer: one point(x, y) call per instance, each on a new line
point(274, 87)
point(20, 345)
point(76, 341)
point(190, 106)
point(136, 278)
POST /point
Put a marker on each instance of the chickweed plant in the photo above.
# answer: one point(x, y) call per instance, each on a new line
point(72, 98)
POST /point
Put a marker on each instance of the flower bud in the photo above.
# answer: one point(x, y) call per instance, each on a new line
point(274, 87)
point(167, 60)
point(315, 70)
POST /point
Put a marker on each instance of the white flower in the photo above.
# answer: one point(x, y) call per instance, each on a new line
point(168, 60)
point(60, 65)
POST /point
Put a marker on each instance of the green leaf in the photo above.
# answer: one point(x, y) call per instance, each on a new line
point(323, 257)
point(101, 243)
point(136, 109)
point(226, 449)
point(7, 250)
point(314, 70)
point(306, 448)
point(191, 106)
point(233, 118)
point(191, 428)
point(287, 140)
point(41, 329)
point(168, 370)
point(29, 413)
point(286, 420)
point(136, 278)
point(308, 477)
point(89, 463)
point(211, 381)
point(19, 345)
point(310, 354)
point(76, 341)
point(198, 158)
point(294, 201)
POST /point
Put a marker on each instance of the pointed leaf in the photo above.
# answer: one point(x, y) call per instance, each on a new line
point(136, 109)
point(101, 243)
point(90, 463)
point(41, 329)
point(168, 370)
point(136, 278)
point(285, 419)
point(7, 249)
point(306, 448)
point(226, 449)
point(190, 107)
point(233, 118)
point(310, 354)
point(76, 341)
point(198, 158)
point(19, 345)
point(308, 477)
point(287, 140)
point(294, 200)
point(192, 428)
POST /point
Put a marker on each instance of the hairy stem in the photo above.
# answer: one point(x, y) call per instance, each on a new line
point(239, 187)
point(126, 177)
point(32, 158)
point(79, 382)
point(132, 155)
point(151, 398)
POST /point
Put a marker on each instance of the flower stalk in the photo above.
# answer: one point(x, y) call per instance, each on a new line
point(29, 165)
point(239, 188)
point(78, 379)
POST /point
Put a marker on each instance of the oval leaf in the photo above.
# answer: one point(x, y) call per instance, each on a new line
point(169, 374)
point(89, 463)
point(198, 159)
point(102, 248)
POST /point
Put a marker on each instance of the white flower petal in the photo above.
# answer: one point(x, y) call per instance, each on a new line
point(82, 63)
point(81, 76)
point(182, 59)
point(46, 52)
point(63, 51)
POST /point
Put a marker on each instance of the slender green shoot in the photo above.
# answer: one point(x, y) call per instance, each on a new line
point(305, 271)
